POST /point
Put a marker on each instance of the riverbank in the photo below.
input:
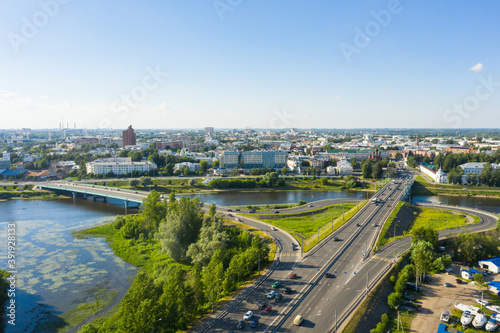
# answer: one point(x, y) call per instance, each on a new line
point(424, 187)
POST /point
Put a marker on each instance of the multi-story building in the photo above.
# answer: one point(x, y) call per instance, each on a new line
point(128, 137)
point(476, 167)
point(5, 161)
point(229, 159)
point(209, 130)
point(118, 166)
point(193, 167)
point(253, 159)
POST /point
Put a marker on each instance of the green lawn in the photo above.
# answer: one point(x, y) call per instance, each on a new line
point(423, 187)
point(440, 219)
point(309, 225)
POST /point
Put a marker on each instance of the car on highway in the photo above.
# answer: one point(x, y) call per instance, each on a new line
point(239, 220)
point(241, 324)
point(293, 276)
point(276, 284)
point(271, 294)
point(335, 239)
point(310, 205)
point(276, 212)
point(273, 228)
point(298, 320)
point(254, 323)
point(230, 215)
point(229, 210)
point(374, 224)
point(278, 297)
point(237, 210)
point(329, 275)
point(358, 225)
point(251, 211)
point(248, 315)
point(268, 309)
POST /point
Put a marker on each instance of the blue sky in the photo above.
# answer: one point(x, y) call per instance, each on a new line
point(241, 63)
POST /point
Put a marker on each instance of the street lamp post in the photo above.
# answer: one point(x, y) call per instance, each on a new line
point(155, 323)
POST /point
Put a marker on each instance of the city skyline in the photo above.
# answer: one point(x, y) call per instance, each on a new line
point(379, 64)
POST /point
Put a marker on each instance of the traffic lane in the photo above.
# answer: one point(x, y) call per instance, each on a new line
point(363, 239)
point(336, 294)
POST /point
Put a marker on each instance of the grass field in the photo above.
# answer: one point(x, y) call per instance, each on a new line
point(309, 225)
point(440, 219)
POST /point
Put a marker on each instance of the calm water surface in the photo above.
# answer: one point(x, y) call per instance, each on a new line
point(56, 272)
point(487, 204)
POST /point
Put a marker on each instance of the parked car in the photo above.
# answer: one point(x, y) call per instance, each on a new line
point(409, 298)
point(241, 324)
point(254, 323)
point(458, 281)
point(446, 284)
point(276, 284)
point(278, 297)
point(293, 276)
point(268, 309)
point(288, 290)
point(248, 315)
point(271, 294)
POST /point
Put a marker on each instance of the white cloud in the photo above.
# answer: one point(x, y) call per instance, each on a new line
point(477, 68)
point(7, 93)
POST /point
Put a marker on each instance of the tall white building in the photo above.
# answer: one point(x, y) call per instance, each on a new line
point(118, 166)
point(476, 167)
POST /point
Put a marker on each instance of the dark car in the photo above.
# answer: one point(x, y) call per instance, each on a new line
point(278, 297)
point(254, 323)
point(261, 305)
point(335, 239)
point(229, 210)
point(237, 210)
point(458, 281)
point(241, 324)
point(409, 298)
point(231, 215)
point(288, 290)
point(276, 212)
point(329, 275)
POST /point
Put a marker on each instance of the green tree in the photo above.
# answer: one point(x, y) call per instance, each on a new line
point(153, 211)
point(191, 182)
point(145, 181)
point(133, 182)
point(427, 234)
point(203, 167)
point(367, 169)
point(479, 278)
point(123, 153)
point(271, 178)
point(235, 172)
point(354, 164)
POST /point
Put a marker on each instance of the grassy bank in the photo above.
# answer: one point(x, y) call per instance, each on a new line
point(423, 187)
point(306, 226)
point(182, 185)
point(438, 219)
point(26, 194)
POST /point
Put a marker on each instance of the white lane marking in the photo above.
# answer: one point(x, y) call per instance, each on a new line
point(319, 313)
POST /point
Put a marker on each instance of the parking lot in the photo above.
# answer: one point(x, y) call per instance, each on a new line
point(435, 298)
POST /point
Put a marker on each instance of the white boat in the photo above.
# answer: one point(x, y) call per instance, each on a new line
point(491, 325)
point(474, 310)
point(496, 317)
point(466, 318)
point(479, 321)
point(493, 308)
point(445, 316)
point(461, 307)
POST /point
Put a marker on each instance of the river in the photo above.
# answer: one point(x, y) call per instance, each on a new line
point(487, 204)
point(237, 198)
point(56, 272)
